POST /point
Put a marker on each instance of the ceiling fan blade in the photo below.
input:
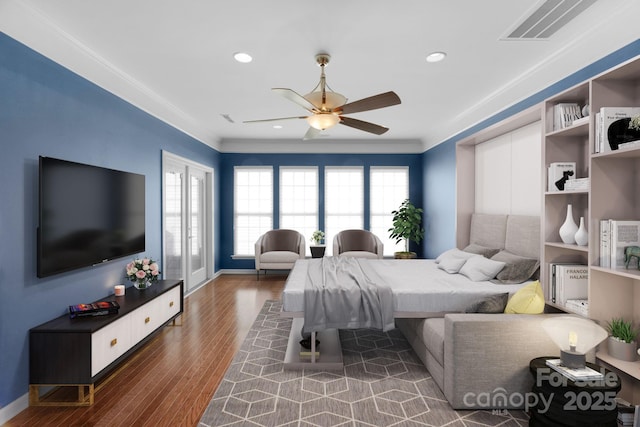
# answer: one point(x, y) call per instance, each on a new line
point(295, 97)
point(311, 133)
point(274, 120)
point(362, 125)
point(381, 100)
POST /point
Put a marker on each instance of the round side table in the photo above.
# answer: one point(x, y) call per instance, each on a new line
point(560, 402)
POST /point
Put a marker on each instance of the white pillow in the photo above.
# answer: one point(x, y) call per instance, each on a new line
point(479, 268)
point(453, 253)
point(452, 265)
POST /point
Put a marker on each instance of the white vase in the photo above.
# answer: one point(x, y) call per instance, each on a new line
point(569, 228)
point(582, 235)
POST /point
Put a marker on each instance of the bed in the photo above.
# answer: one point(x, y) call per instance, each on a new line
point(418, 288)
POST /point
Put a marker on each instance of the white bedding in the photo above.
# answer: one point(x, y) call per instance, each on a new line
point(418, 287)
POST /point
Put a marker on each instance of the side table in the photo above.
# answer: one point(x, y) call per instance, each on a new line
point(559, 401)
point(317, 251)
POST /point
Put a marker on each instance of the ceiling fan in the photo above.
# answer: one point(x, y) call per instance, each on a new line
point(327, 107)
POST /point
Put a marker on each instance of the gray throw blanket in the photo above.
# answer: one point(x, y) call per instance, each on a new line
point(342, 293)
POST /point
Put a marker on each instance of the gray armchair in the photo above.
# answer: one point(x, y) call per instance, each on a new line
point(358, 244)
point(278, 250)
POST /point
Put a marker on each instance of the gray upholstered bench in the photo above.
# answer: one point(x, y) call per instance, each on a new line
point(477, 358)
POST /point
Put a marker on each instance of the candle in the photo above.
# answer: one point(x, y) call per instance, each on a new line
point(119, 290)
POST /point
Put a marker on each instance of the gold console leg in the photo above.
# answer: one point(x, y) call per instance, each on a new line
point(85, 396)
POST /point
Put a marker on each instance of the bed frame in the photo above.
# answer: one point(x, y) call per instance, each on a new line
point(518, 234)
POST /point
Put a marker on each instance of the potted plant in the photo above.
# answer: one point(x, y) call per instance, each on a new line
point(406, 226)
point(317, 249)
point(622, 341)
point(634, 123)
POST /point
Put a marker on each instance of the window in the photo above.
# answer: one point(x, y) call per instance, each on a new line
point(344, 201)
point(389, 187)
point(299, 200)
point(253, 206)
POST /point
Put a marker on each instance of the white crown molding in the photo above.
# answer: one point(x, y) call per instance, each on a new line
point(31, 27)
point(341, 146)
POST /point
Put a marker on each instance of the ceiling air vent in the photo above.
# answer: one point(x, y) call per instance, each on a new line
point(547, 18)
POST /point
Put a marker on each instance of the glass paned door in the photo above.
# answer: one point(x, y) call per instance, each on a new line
point(173, 235)
point(197, 226)
point(187, 221)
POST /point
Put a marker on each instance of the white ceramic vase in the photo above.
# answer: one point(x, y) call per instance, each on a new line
point(582, 235)
point(569, 228)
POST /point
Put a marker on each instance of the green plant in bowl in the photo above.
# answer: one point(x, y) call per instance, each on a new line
point(622, 330)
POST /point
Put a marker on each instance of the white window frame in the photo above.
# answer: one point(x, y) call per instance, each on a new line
point(380, 217)
point(307, 201)
point(263, 212)
point(330, 230)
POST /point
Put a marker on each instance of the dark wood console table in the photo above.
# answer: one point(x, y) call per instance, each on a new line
point(79, 352)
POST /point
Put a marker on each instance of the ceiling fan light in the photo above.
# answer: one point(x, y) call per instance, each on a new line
point(322, 121)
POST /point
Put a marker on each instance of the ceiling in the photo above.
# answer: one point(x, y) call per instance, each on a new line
point(174, 59)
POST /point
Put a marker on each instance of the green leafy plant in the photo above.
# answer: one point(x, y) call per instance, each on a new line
point(317, 236)
point(406, 224)
point(623, 330)
point(635, 123)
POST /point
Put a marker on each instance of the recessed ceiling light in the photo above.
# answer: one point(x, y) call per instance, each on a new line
point(242, 57)
point(436, 56)
point(277, 126)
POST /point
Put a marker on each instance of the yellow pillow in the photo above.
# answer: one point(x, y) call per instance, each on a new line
point(528, 300)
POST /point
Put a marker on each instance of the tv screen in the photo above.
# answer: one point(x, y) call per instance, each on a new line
point(87, 215)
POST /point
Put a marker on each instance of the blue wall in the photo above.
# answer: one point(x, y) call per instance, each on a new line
point(439, 186)
point(229, 161)
point(47, 110)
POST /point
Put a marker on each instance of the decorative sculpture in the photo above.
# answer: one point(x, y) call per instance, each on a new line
point(631, 251)
point(562, 181)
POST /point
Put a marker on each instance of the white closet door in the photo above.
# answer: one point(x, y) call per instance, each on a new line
point(507, 173)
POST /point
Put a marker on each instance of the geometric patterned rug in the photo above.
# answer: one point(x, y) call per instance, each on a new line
point(383, 383)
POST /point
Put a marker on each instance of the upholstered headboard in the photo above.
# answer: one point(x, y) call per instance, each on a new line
point(518, 234)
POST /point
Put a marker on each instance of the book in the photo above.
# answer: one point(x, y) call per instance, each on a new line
point(564, 114)
point(579, 306)
point(571, 282)
point(579, 184)
point(596, 137)
point(626, 412)
point(99, 308)
point(605, 243)
point(575, 374)
point(606, 117)
point(623, 234)
point(553, 280)
point(630, 144)
point(558, 174)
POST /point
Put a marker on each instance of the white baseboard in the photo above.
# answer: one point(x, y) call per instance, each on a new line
point(237, 271)
point(14, 408)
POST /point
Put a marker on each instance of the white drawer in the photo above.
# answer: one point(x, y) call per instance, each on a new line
point(171, 303)
point(146, 319)
point(109, 343)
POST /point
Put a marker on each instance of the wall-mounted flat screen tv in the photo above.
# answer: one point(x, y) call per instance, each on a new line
point(87, 215)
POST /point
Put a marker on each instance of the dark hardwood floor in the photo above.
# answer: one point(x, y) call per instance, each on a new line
point(170, 381)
